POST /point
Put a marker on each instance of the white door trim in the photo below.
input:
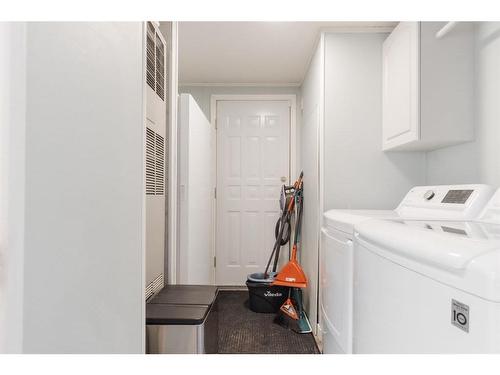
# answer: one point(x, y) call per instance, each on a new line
point(321, 169)
point(172, 215)
point(293, 172)
point(12, 183)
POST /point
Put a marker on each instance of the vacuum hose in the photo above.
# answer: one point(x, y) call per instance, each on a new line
point(287, 231)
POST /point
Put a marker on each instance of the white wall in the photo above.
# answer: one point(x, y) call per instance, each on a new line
point(12, 183)
point(312, 115)
point(357, 174)
point(202, 94)
point(478, 161)
point(83, 286)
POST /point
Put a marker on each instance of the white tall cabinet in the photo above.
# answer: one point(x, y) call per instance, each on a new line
point(428, 87)
point(196, 198)
point(341, 130)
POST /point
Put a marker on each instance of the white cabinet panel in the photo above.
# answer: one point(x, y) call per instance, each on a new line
point(197, 182)
point(428, 88)
point(400, 85)
point(336, 288)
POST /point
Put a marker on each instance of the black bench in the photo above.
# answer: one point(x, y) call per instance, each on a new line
point(182, 319)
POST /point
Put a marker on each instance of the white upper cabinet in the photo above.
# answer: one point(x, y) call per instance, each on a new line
point(401, 86)
point(428, 88)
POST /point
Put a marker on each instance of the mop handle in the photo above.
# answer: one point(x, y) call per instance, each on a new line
point(300, 206)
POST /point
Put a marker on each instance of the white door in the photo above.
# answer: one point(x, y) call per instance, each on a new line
point(253, 159)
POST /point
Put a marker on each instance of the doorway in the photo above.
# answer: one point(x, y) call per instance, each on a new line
point(255, 156)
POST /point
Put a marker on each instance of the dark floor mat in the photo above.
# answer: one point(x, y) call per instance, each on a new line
point(243, 331)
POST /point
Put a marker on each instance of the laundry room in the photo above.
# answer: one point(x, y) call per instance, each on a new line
point(377, 131)
point(210, 187)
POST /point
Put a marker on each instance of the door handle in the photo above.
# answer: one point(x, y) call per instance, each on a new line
point(283, 179)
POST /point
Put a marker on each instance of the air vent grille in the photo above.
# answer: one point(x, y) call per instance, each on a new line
point(151, 28)
point(154, 286)
point(155, 62)
point(160, 165)
point(160, 68)
point(150, 162)
point(155, 163)
point(150, 56)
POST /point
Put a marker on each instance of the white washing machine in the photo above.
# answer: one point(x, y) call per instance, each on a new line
point(428, 286)
point(336, 257)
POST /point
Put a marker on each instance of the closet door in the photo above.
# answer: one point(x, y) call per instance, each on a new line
point(253, 161)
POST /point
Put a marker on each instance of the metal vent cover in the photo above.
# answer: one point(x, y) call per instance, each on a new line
point(160, 164)
point(155, 61)
point(154, 286)
point(160, 68)
point(150, 56)
point(150, 162)
point(155, 163)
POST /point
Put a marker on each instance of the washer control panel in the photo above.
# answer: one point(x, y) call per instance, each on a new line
point(491, 213)
point(457, 196)
point(445, 202)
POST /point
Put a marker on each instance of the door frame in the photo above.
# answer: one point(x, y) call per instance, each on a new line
point(171, 243)
point(293, 157)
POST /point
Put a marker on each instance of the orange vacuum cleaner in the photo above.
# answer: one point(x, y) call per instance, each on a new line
point(292, 274)
point(291, 277)
point(292, 314)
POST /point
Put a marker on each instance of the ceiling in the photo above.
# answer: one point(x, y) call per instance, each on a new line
point(246, 53)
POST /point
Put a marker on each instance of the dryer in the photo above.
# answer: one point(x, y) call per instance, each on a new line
point(337, 251)
point(428, 286)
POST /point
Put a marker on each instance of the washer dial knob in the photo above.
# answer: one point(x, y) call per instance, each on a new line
point(429, 194)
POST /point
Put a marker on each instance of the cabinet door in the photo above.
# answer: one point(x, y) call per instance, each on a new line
point(400, 87)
